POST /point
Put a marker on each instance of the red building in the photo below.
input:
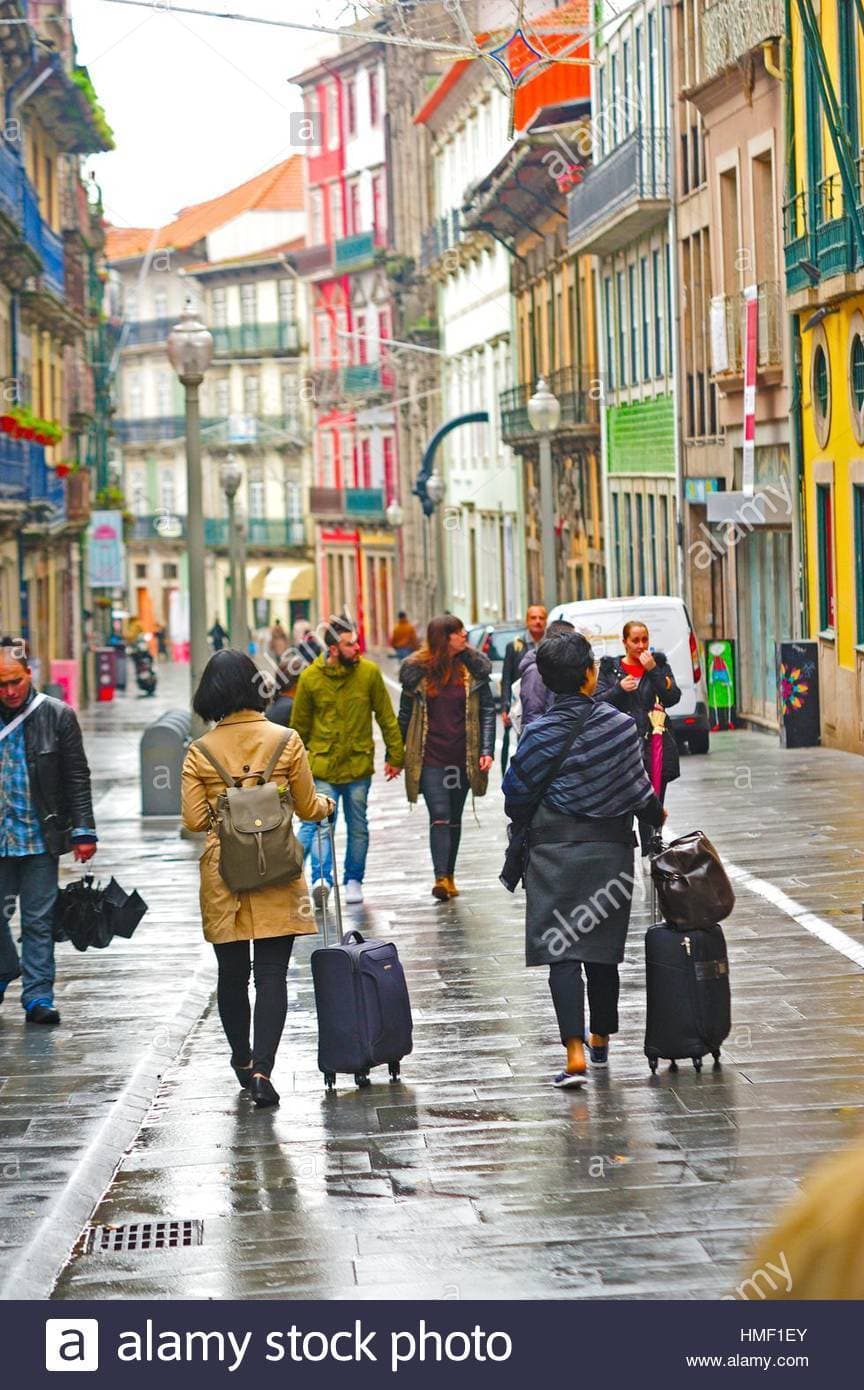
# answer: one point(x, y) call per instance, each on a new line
point(356, 473)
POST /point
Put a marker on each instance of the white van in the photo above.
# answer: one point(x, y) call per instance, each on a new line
point(670, 630)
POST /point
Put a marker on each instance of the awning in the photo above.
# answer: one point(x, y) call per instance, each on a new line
point(290, 581)
point(256, 576)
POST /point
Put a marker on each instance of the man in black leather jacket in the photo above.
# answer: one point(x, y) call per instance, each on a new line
point(46, 810)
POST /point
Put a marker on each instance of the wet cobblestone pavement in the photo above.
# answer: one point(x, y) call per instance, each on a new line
point(471, 1177)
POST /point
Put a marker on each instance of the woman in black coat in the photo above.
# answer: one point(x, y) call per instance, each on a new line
point(579, 880)
point(634, 683)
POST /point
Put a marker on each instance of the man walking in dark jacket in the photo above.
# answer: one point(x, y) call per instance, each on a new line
point(535, 628)
point(46, 810)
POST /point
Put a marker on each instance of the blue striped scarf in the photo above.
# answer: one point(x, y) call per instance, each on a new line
point(602, 774)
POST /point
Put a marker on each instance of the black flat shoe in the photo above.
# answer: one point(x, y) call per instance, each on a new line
point(244, 1076)
point(263, 1092)
point(40, 1013)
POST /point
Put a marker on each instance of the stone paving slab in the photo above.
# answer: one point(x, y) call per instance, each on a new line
point(471, 1177)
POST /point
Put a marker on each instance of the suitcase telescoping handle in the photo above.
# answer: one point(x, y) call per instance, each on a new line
point(325, 920)
point(655, 847)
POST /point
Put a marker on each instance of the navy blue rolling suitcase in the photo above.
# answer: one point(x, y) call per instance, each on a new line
point(361, 998)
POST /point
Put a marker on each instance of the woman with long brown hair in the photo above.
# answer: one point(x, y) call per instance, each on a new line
point(447, 719)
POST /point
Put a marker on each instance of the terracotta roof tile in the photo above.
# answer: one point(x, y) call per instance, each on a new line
point(279, 189)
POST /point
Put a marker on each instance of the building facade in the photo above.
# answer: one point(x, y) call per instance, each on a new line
point(738, 515)
point(824, 264)
point(356, 473)
point(49, 301)
point(221, 256)
point(622, 213)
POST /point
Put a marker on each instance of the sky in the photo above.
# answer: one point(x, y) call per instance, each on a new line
point(196, 105)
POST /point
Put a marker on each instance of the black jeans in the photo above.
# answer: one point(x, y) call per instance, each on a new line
point(444, 791)
point(272, 957)
point(568, 996)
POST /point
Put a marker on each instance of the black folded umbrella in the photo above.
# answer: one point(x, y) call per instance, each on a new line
point(90, 915)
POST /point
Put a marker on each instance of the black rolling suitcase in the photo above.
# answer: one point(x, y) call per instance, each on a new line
point(687, 992)
point(364, 1012)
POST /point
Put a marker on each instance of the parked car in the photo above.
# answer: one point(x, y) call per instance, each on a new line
point(670, 631)
point(492, 639)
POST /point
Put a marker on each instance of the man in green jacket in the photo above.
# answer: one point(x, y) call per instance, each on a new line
point(336, 698)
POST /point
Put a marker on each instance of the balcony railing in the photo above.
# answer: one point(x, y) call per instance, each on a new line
point(731, 28)
point(260, 531)
point(623, 196)
point(53, 260)
point(20, 205)
point(356, 503)
point(136, 333)
point(577, 395)
point(356, 251)
point(25, 476)
point(444, 233)
point(276, 532)
point(818, 234)
point(255, 337)
point(150, 430)
point(769, 330)
point(362, 378)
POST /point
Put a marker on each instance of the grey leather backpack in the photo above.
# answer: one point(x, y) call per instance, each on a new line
point(257, 844)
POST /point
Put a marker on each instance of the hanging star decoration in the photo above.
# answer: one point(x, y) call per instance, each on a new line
point(523, 53)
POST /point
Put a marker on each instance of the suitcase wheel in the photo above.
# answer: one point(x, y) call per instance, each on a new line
point(394, 1071)
point(652, 1062)
point(697, 1063)
point(673, 1065)
point(329, 1079)
point(716, 1056)
point(361, 1078)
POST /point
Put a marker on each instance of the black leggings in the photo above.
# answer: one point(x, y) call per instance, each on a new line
point(568, 996)
point(444, 791)
point(272, 958)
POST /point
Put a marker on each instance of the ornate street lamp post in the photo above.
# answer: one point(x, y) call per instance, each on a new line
point(544, 413)
point(190, 351)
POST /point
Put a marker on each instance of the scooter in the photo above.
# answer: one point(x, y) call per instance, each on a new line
point(145, 673)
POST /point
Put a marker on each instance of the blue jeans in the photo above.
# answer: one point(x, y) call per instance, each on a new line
point(32, 879)
point(353, 796)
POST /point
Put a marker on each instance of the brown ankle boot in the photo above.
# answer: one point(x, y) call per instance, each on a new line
point(440, 890)
point(451, 886)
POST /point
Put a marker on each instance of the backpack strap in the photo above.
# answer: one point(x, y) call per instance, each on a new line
point(276, 755)
point(214, 761)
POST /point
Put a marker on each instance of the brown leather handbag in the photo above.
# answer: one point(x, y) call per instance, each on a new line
point(693, 888)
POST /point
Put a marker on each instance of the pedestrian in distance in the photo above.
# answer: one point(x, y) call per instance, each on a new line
point(634, 684)
point(244, 743)
point(218, 635)
point(285, 688)
point(535, 628)
point(403, 638)
point(529, 697)
point(278, 644)
point(447, 719)
point(575, 782)
point(46, 810)
point(337, 696)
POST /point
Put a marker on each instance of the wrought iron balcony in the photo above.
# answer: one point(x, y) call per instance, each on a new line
point(25, 477)
point(236, 339)
point(577, 395)
point(150, 430)
point(769, 330)
point(274, 533)
point(819, 237)
point(137, 333)
point(444, 233)
point(357, 503)
point(623, 196)
point(731, 29)
point(53, 260)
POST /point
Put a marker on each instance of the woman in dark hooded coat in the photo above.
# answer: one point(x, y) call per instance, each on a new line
point(579, 880)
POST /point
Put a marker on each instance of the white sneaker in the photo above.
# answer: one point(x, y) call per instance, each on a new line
point(353, 891)
point(320, 892)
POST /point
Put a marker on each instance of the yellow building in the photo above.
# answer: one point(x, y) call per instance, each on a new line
point(824, 249)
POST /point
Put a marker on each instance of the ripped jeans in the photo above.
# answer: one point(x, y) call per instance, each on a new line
point(444, 791)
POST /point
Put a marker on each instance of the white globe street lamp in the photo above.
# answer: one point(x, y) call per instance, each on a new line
point(435, 488)
point(394, 515)
point(190, 352)
point(544, 413)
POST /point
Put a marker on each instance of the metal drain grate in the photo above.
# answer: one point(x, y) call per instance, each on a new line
point(143, 1235)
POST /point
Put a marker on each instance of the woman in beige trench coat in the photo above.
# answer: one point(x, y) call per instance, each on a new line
point(229, 694)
